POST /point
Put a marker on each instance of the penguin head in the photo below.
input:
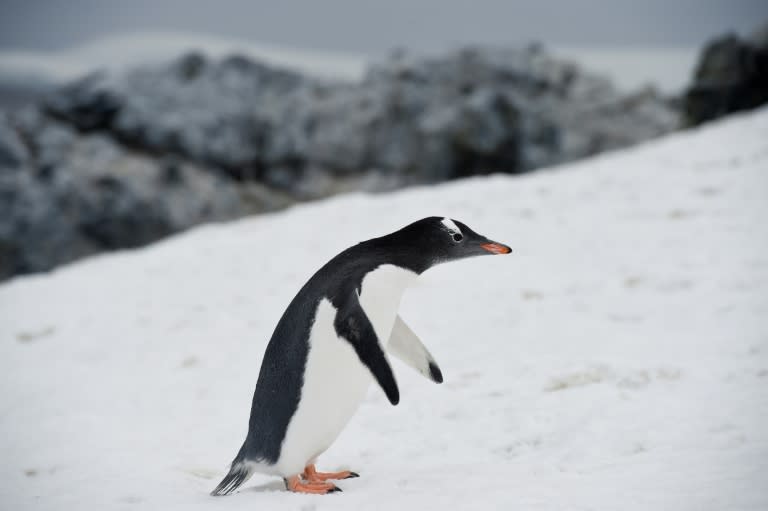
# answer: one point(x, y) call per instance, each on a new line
point(434, 240)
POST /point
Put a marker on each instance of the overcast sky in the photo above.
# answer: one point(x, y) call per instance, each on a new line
point(368, 27)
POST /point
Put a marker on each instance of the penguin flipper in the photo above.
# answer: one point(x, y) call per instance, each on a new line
point(406, 345)
point(353, 325)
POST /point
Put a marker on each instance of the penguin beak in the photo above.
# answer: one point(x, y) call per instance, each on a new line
point(496, 248)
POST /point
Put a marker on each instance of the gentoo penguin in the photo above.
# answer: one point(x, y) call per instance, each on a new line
point(332, 341)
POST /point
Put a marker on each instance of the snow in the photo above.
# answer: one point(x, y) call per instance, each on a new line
point(669, 69)
point(618, 359)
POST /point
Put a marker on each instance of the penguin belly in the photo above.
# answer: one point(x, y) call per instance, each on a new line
point(335, 380)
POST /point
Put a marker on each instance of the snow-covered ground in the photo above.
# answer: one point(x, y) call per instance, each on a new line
point(618, 359)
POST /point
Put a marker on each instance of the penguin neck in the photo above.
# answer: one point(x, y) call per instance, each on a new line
point(390, 251)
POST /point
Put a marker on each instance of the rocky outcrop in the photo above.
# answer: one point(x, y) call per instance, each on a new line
point(115, 161)
point(474, 111)
point(731, 75)
point(64, 195)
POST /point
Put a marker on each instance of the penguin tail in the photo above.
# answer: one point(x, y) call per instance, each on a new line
point(239, 472)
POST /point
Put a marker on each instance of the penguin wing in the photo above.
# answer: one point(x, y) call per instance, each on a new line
point(406, 345)
point(353, 325)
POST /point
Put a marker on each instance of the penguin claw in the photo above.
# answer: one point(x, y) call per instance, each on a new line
point(352, 475)
point(335, 489)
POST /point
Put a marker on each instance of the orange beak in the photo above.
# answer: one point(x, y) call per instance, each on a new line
point(496, 248)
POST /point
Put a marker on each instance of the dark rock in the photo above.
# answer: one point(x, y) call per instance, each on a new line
point(474, 111)
point(213, 112)
point(77, 195)
point(89, 103)
point(118, 161)
point(13, 152)
point(190, 66)
point(731, 75)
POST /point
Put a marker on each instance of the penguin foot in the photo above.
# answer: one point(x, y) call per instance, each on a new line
point(295, 484)
point(313, 476)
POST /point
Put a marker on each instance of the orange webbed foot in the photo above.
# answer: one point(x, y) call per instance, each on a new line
point(313, 476)
point(295, 484)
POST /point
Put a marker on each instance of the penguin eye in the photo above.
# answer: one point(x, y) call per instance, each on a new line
point(457, 237)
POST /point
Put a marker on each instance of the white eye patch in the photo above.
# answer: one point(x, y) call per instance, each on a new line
point(448, 223)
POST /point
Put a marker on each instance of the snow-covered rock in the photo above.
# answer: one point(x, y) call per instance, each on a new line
point(64, 195)
point(617, 359)
point(475, 111)
point(236, 136)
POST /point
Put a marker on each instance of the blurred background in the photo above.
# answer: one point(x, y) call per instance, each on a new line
point(216, 153)
point(124, 122)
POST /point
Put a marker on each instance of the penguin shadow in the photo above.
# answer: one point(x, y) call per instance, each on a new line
point(268, 486)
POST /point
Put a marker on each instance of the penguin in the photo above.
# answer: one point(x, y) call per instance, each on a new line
point(332, 341)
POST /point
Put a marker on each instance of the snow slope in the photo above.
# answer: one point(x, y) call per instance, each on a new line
point(618, 359)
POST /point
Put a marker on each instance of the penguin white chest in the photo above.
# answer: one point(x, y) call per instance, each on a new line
point(380, 295)
point(335, 380)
